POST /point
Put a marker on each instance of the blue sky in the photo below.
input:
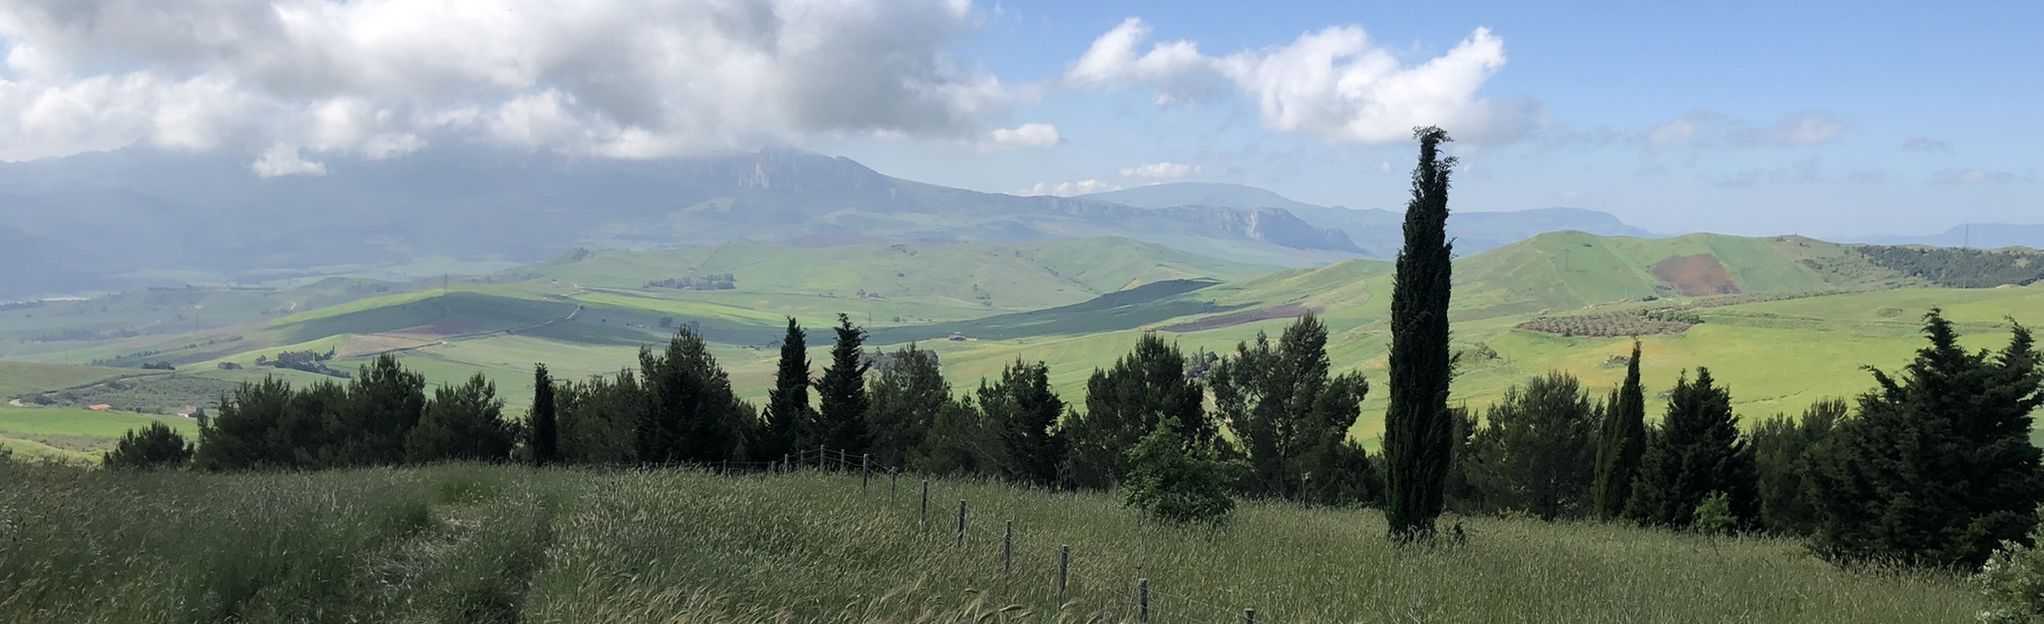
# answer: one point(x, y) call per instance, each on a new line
point(1830, 119)
point(1966, 79)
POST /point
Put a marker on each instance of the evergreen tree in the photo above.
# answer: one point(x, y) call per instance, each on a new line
point(1938, 468)
point(600, 419)
point(315, 430)
point(1780, 445)
point(1145, 390)
point(1536, 450)
point(1621, 440)
point(384, 403)
point(462, 423)
point(240, 434)
point(1290, 415)
point(841, 393)
point(545, 422)
point(1418, 434)
point(960, 441)
point(691, 414)
point(1175, 482)
point(1696, 453)
point(789, 418)
point(907, 400)
point(154, 446)
point(1023, 413)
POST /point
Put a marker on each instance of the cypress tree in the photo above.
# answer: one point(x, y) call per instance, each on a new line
point(842, 392)
point(1621, 438)
point(1938, 468)
point(1780, 445)
point(1695, 454)
point(789, 418)
point(545, 420)
point(1418, 434)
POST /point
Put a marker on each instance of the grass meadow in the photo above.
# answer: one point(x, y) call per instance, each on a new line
point(468, 543)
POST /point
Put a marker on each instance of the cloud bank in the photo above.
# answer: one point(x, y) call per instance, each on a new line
point(292, 81)
point(1334, 83)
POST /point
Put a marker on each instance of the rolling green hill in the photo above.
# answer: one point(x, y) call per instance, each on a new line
point(1080, 304)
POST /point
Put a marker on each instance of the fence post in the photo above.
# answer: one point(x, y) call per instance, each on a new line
point(784, 462)
point(893, 481)
point(865, 469)
point(1064, 568)
point(1248, 616)
point(926, 503)
point(961, 522)
point(1008, 546)
point(820, 454)
point(1143, 600)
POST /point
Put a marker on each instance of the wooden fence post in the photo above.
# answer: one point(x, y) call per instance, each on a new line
point(1064, 568)
point(784, 462)
point(1008, 547)
point(926, 503)
point(893, 481)
point(820, 454)
point(1143, 600)
point(865, 469)
point(1248, 616)
point(961, 522)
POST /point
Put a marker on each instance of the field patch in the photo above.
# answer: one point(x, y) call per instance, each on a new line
point(1281, 311)
point(1696, 276)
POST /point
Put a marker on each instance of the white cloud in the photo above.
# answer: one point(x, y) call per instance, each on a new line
point(1025, 136)
point(1973, 176)
point(1159, 171)
point(1067, 189)
point(382, 78)
point(1925, 144)
point(1334, 83)
point(283, 160)
point(1708, 129)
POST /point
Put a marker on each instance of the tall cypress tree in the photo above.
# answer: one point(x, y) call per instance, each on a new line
point(1418, 435)
point(544, 423)
point(1620, 440)
point(842, 392)
point(789, 419)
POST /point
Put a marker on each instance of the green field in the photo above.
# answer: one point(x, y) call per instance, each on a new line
point(474, 543)
point(1076, 304)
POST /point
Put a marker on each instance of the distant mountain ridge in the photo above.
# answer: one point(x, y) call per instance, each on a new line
point(1976, 235)
point(1378, 231)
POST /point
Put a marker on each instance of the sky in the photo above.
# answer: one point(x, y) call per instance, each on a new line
point(1821, 118)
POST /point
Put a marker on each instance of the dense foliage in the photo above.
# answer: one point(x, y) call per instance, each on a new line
point(1780, 446)
point(1291, 416)
point(1418, 434)
point(841, 394)
point(462, 423)
point(789, 418)
point(1536, 451)
point(1938, 468)
point(1024, 413)
point(1144, 391)
point(543, 421)
point(1695, 454)
point(1960, 267)
point(1175, 482)
point(1621, 439)
point(154, 446)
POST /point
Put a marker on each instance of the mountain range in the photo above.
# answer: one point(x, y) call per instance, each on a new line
point(141, 217)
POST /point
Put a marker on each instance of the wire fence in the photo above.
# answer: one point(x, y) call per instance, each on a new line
point(952, 521)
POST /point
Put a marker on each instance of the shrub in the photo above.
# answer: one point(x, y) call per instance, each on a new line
point(1176, 484)
point(2013, 582)
point(154, 446)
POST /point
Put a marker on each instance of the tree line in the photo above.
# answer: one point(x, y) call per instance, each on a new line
point(1934, 467)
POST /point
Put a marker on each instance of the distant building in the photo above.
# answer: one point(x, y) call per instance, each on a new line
point(100, 407)
point(957, 337)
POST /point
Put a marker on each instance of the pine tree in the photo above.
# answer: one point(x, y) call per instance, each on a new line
point(1938, 468)
point(1536, 451)
point(1696, 453)
point(600, 418)
point(384, 403)
point(691, 413)
point(1291, 416)
point(240, 434)
point(1418, 434)
point(154, 446)
point(1023, 413)
point(841, 393)
point(462, 423)
point(1621, 438)
point(545, 419)
point(1780, 446)
point(789, 418)
point(907, 398)
point(1145, 390)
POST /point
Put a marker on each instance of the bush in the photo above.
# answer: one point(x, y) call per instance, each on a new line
point(1173, 483)
point(2013, 582)
point(154, 446)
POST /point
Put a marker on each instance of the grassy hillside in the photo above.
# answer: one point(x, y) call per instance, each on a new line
point(470, 543)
